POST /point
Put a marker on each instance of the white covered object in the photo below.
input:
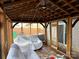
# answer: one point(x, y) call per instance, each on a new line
point(15, 53)
point(22, 49)
point(23, 41)
point(36, 42)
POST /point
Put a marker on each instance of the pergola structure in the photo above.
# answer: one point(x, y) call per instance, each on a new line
point(36, 11)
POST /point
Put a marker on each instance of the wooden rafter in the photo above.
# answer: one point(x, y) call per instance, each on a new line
point(42, 25)
point(75, 22)
point(14, 25)
point(58, 13)
point(53, 10)
point(64, 21)
point(61, 8)
point(71, 6)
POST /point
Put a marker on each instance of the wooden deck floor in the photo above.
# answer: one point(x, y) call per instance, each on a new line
point(44, 52)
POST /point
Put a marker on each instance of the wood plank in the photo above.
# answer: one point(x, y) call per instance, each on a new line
point(0, 49)
point(3, 36)
point(46, 33)
point(0, 42)
point(69, 35)
point(50, 34)
point(30, 28)
point(55, 3)
point(61, 53)
point(54, 24)
point(71, 5)
point(9, 33)
point(37, 29)
point(15, 24)
point(57, 36)
point(22, 28)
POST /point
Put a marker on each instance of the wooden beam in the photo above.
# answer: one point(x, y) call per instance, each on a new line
point(71, 5)
point(37, 29)
point(30, 28)
point(55, 24)
point(57, 13)
point(75, 22)
point(1, 2)
point(64, 21)
point(50, 34)
point(42, 25)
point(45, 25)
point(15, 24)
point(0, 41)
point(60, 7)
point(61, 53)
point(57, 36)
point(9, 33)
point(26, 20)
point(69, 36)
point(46, 33)
point(77, 1)
point(3, 35)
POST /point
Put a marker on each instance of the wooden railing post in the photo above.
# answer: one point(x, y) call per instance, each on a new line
point(69, 36)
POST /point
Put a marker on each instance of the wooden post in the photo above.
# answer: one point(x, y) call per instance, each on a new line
point(54, 24)
point(50, 34)
point(57, 36)
point(9, 33)
point(30, 28)
point(37, 28)
point(46, 33)
point(69, 35)
point(3, 37)
point(0, 38)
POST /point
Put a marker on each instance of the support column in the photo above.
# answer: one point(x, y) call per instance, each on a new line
point(57, 37)
point(30, 28)
point(50, 34)
point(3, 36)
point(54, 24)
point(0, 38)
point(37, 29)
point(46, 33)
point(69, 35)
point(9, 33)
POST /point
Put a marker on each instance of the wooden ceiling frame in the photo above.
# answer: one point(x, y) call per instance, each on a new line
point(56, 11)
point(60, 8)
point(19, 7)
point(71, 6)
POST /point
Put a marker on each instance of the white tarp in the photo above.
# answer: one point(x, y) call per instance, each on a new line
point(22, 49)
point(36, 42)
